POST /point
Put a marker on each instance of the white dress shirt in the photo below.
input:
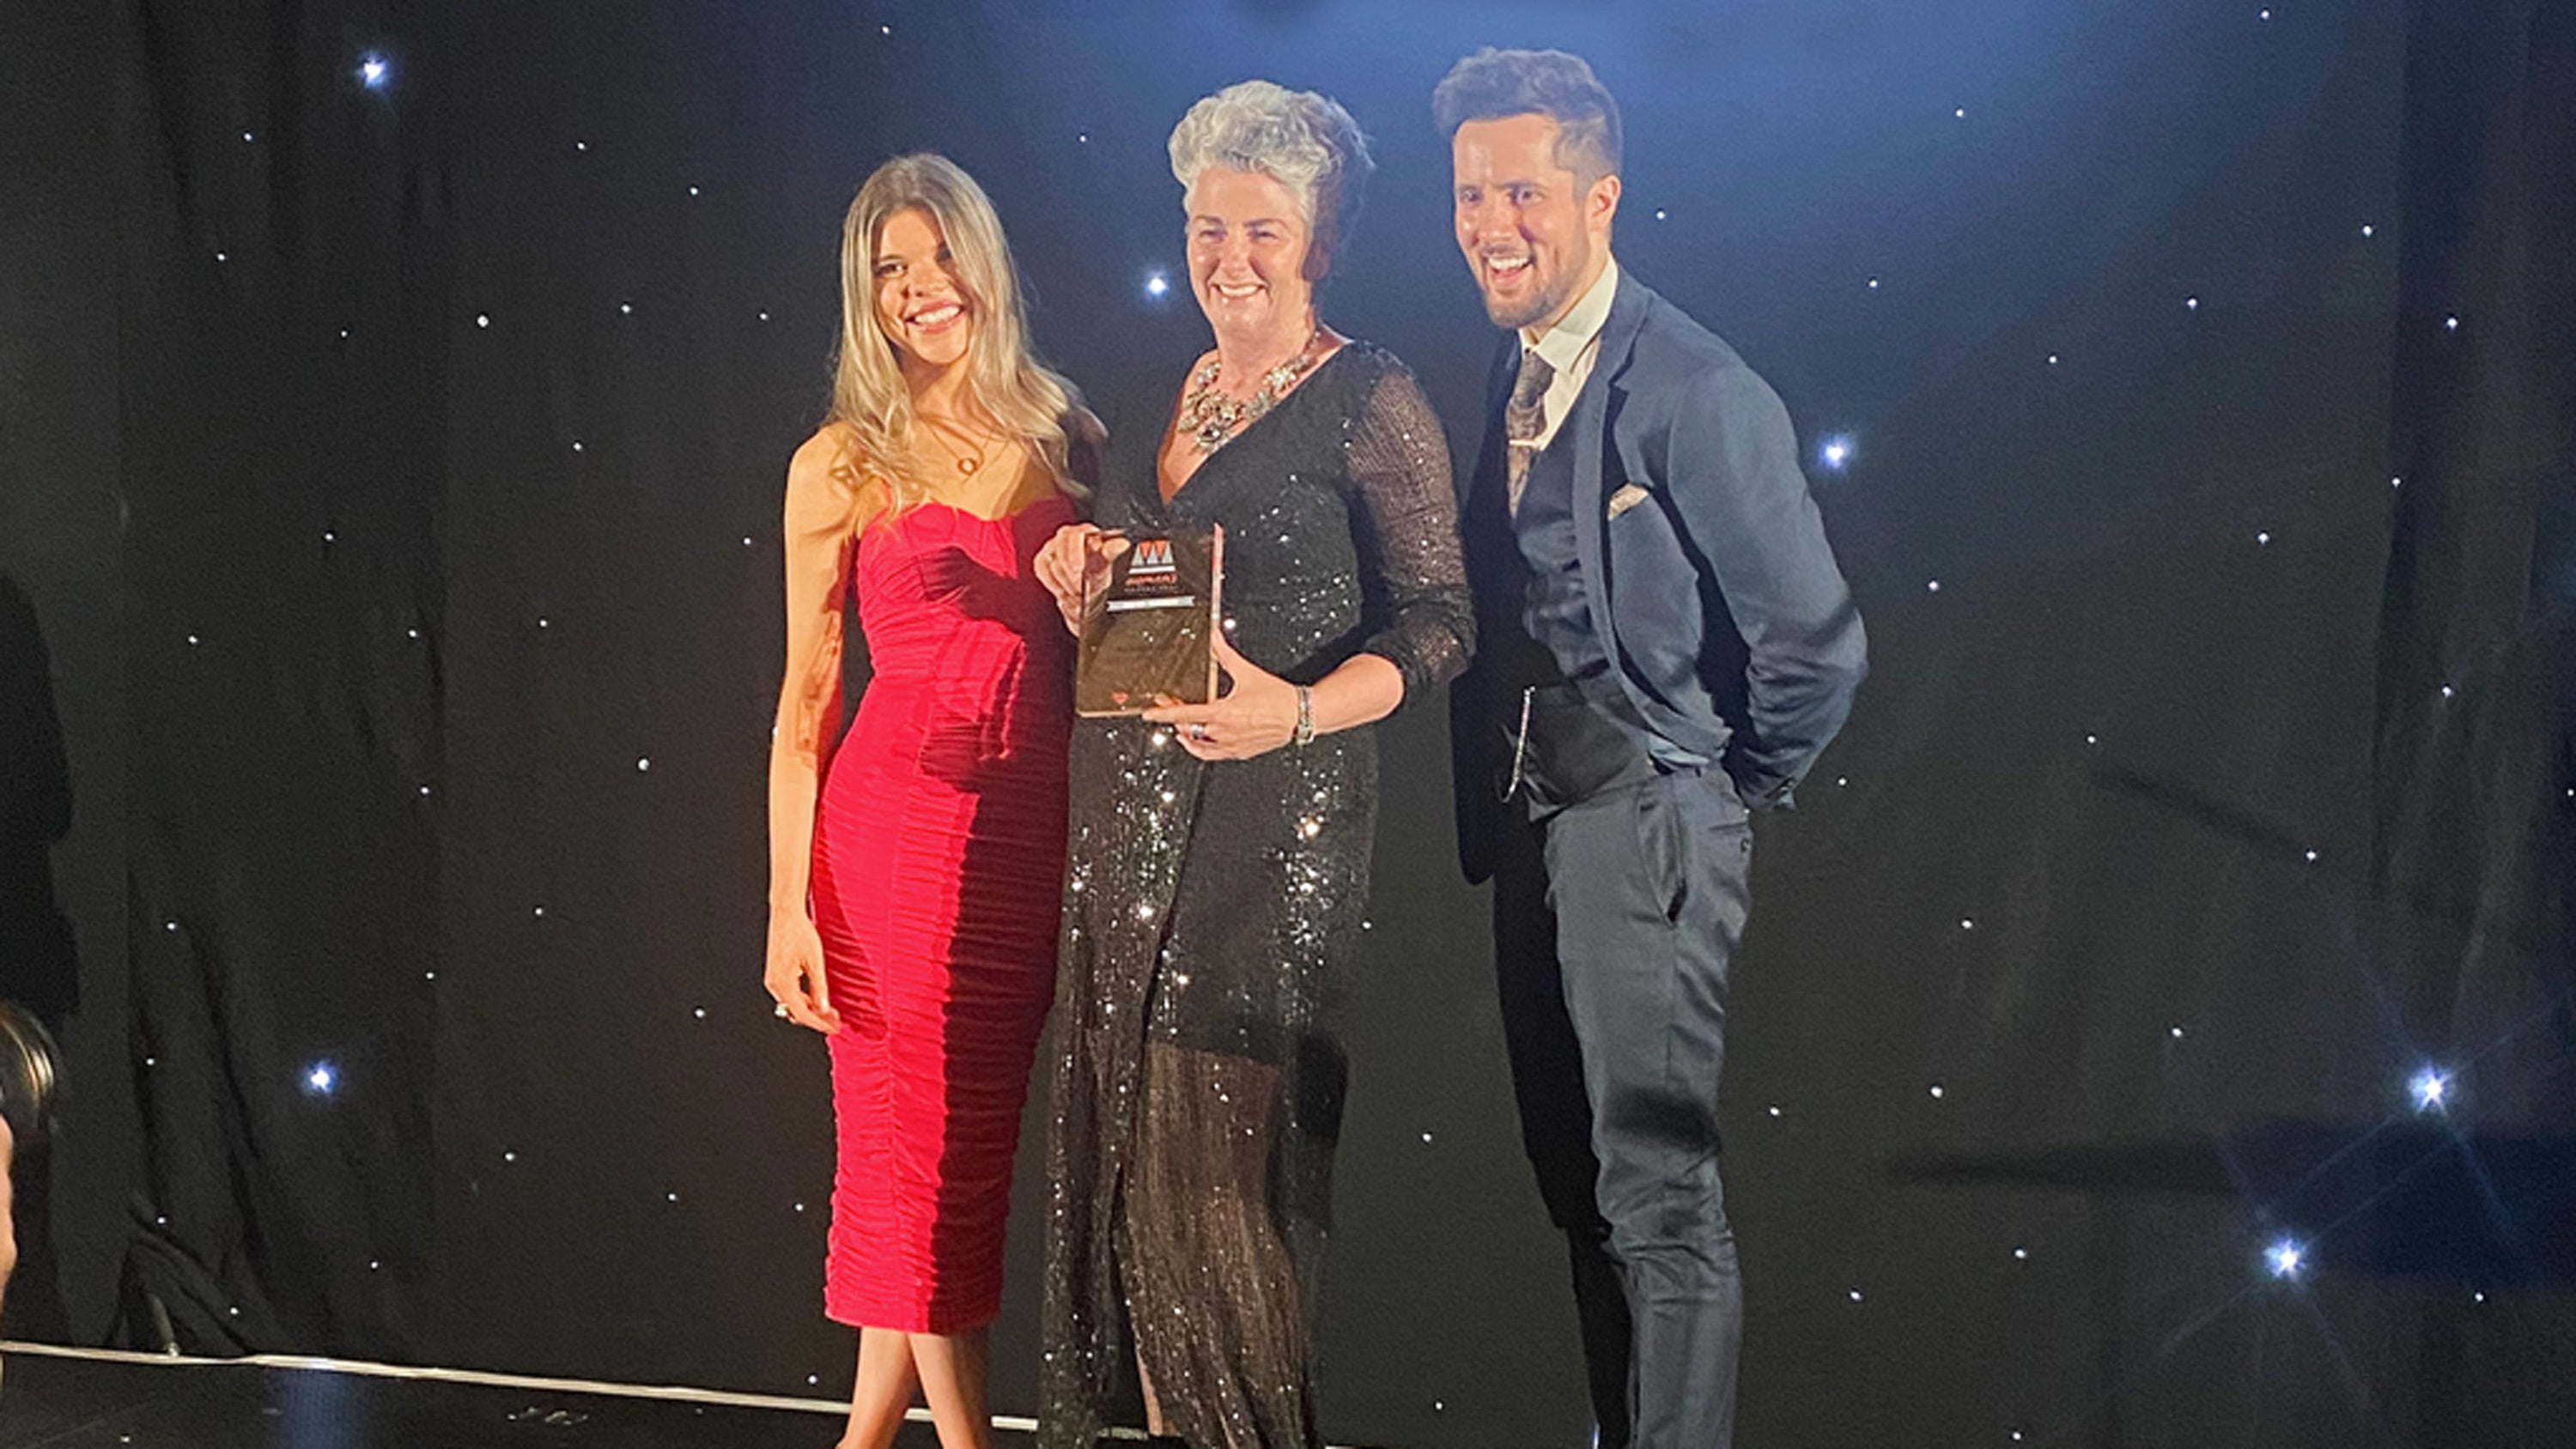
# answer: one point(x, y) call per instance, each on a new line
point(1570, 347)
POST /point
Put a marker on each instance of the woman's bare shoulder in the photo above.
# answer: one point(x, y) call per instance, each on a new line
point(827, 469)
point(830, 453)
point(824, 482)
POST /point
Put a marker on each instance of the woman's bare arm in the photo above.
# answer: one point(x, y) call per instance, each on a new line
point(809, 693)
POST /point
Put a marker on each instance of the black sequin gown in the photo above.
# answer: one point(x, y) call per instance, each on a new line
point(1211, 910)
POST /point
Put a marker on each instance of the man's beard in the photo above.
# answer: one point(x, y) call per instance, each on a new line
point(1526, 315)
point(1544, 301)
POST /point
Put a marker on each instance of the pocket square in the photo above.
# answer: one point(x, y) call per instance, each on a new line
point(1626, 498)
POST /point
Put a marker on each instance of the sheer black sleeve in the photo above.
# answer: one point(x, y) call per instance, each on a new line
point(1405, 518)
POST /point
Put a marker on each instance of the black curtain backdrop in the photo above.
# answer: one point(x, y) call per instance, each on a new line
point(283, 406)
point(62, 684)
point(412, 623)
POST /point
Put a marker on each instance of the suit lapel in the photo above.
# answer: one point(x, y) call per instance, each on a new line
point(1498, 391)
point(1484, 519)
point(1587, 424)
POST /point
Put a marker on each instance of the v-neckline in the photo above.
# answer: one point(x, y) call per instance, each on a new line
point(1171, 429)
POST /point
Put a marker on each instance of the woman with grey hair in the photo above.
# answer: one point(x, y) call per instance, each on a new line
point(1219, 853)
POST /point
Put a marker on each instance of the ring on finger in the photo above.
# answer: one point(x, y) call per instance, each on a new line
point(1199, 732)
point(779, 1010)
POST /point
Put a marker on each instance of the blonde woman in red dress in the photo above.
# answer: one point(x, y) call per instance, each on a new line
point(915, 866)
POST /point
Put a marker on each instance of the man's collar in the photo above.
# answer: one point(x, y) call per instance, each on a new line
point(1573, 332)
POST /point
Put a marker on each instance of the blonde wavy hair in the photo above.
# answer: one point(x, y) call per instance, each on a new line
point(1003, 375)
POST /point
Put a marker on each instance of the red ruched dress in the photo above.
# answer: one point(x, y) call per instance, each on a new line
point(938, 866)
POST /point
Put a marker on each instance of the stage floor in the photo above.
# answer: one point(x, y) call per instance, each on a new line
point(97, 1401)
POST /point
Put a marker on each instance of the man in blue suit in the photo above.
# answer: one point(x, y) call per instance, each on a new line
point(1664, 647)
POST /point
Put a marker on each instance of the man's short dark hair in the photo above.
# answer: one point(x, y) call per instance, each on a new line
point(1493, 84)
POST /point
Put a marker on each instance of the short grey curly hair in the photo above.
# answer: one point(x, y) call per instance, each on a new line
point(1304, 140)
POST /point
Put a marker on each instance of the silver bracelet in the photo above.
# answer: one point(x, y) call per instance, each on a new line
point(1305, 716)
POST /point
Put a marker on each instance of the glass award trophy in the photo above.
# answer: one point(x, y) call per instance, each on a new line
point(1146, 634)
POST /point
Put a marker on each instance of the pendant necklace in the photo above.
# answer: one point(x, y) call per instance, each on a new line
point(939, 429)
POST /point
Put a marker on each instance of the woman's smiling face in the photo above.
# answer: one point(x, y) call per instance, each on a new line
point(1248, 246)
point(921, 305)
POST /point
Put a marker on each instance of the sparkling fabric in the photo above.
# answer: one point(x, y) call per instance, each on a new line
point(1210, 912)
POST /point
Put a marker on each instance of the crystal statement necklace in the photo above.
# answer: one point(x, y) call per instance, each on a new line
point(1213, 419)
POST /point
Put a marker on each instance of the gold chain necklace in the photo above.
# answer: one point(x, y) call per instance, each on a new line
point(940, 429)
point(1212, 419)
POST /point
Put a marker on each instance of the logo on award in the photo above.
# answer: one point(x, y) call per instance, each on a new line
point(1145, 639)
point(1153, 556)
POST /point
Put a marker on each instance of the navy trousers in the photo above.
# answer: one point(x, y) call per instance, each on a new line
point(1614, 921)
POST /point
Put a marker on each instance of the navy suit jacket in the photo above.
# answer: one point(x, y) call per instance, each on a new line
point(1731, 627)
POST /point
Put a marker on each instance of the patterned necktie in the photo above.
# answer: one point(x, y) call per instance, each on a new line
point(1524, 418)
